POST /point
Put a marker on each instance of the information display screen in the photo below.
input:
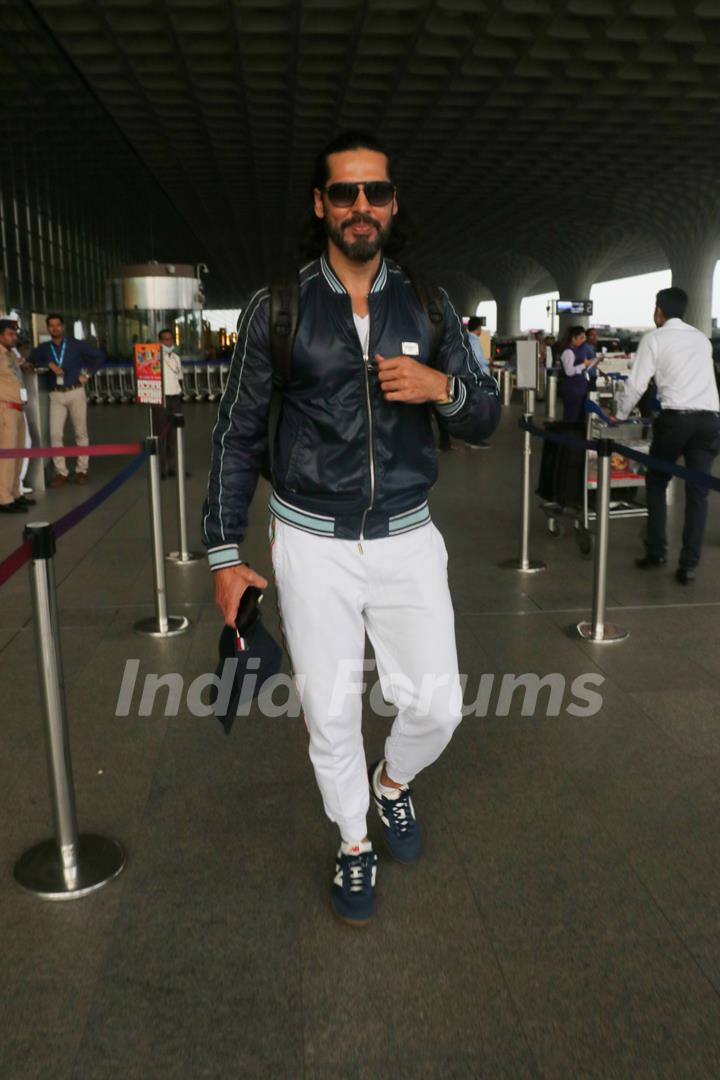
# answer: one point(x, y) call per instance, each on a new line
point(574, 307)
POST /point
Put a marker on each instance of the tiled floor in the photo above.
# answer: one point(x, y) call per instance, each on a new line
point(564, 921)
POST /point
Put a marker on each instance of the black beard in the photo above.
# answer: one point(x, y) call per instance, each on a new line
point(364, 248)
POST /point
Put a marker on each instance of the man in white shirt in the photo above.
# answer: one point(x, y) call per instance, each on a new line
point(679, 358)
point(172, 376)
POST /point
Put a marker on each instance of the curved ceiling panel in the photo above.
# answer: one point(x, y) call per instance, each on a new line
point(512, 121)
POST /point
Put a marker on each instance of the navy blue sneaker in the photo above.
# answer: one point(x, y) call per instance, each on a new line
point(353, 891)
point(403, 836)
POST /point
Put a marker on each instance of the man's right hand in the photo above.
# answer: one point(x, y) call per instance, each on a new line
point(230, 584)
point(55, 368)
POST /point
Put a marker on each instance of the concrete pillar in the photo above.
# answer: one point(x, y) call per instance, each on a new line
point(510, 277)
point(687, 225)
point(465, 293)
point(508, 297)
point(577, 265)
point(693, 264)
point(574, 283)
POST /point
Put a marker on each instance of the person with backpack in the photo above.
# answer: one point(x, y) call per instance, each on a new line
point(372, 354)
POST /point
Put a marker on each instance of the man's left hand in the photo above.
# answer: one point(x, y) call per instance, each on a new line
point(407, 380)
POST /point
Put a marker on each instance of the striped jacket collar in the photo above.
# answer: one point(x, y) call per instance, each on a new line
point(336, 284)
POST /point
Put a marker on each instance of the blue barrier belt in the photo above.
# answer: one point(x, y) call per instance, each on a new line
point(593, 407)
point(657, 464)
point(553, 437)
point(67, 521)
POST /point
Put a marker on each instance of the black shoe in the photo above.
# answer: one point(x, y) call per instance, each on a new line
point(684, 575)
point(648, 561)
point(23, 500)
point(12, 508)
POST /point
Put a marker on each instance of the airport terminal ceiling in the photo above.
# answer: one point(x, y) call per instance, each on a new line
point(524, 130)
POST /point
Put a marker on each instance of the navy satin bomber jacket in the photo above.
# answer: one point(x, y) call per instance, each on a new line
point(346, 462)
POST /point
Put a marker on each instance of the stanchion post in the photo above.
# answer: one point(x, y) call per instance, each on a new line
point(525, 564)
point(597, 630)
point(551, 396)
point(162, 624)
point(71, 865)
point(182, 556)
point(506, 386)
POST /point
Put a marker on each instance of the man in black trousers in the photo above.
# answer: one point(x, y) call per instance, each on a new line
point(679, 358)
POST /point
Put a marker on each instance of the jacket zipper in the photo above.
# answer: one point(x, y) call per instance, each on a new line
point(371, 452)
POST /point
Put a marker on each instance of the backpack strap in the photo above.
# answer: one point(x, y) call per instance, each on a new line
point(284, 313)
point(430, 296)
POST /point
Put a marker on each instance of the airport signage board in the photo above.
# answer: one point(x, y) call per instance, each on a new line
point(574, 307)
point(149, 373)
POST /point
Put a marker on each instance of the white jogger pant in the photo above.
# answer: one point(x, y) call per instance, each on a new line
point(331, 592)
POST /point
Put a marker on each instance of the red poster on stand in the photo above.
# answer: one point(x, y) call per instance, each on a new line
point(149, 374)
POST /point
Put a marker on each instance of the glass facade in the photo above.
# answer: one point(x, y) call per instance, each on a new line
point(56, 254)
point(78, 199)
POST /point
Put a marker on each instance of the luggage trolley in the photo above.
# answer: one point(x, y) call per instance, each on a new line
point(114, 391)
point(94, 387)
point(200, 376)
point(188, 380)
point(215, 387)
point(127, 383)
point(192, 382)
point(568, 477)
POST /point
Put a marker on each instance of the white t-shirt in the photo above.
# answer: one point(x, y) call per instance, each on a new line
point(362, 325)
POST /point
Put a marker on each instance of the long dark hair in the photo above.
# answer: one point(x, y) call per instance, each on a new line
point(313, 239)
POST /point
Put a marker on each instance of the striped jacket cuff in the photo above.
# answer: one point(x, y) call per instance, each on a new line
point(220, 558)
point(454, 407)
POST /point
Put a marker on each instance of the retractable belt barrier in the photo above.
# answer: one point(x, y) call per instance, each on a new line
point(524, 564)
point(71, 864)
point(712, 483)
point(551, 436)
point(597, 630)
point(17, 559)
point(98, 450)
point(182, 557)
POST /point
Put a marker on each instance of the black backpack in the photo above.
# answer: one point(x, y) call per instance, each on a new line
point(284, 316)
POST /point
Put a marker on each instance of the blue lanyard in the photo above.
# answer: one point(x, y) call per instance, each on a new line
point(59, 359)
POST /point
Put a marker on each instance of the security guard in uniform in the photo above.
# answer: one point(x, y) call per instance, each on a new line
point(12, 422)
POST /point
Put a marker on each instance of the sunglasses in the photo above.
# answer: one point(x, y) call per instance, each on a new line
point(377, 193)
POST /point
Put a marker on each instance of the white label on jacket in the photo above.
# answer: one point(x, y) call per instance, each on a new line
point(410, 348)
